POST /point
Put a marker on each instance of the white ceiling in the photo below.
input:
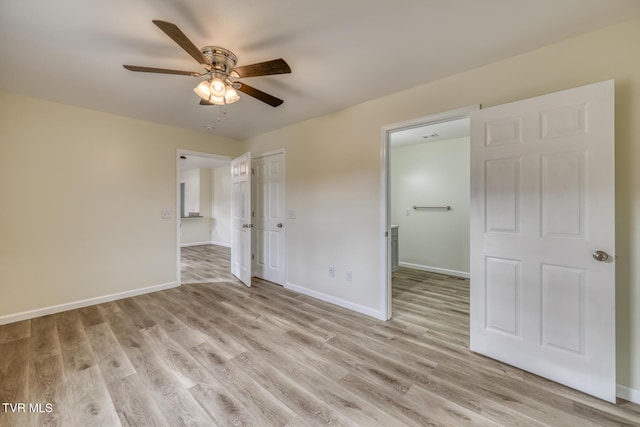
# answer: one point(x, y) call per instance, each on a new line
point(436, 132)
point(342, 52)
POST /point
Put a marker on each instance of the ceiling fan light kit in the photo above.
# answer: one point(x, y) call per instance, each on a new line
point(215, 91)
point(220, 68)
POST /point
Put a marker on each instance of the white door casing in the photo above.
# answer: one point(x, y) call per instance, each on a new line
point(542, 202)
point(269, 219)
point(241, 218)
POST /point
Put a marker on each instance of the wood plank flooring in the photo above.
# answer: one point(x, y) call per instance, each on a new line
point(215, 353)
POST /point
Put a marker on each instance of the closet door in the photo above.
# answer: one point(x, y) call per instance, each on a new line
point(270, 230)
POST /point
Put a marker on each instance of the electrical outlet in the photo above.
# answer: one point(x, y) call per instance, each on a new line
point(292, 214)
point(165, 214)
point(332, 272)
point(407, 213)
point(349, 275)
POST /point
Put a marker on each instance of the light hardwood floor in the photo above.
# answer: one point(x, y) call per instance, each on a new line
point(218, 353)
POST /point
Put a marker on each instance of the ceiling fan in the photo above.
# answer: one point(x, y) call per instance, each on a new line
point(220, 69)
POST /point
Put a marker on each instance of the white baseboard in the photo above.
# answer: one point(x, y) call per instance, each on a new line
point(628, 393)
point(185, 245)
point(10, 318)
point(337, 301)
point(456, 273)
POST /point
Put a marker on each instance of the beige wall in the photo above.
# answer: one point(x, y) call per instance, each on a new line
point(198, 198)
point(81, 197)
point(221, 223)
point(191, 180)
point(432, 174)
point(333, 168)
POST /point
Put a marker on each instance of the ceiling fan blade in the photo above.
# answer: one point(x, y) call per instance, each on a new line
point(182, 40)
point(160, 70)
point(258, 94)
point(276, 66)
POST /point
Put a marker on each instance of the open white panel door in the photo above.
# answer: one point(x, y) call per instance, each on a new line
point(241, 218)
point(542, 226)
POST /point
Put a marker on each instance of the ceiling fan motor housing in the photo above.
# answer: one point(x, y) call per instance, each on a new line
point(222, 60)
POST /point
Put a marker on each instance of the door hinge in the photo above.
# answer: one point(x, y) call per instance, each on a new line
point(253, 257)
point(253, 171)
point(253, 214)
point(386, 234)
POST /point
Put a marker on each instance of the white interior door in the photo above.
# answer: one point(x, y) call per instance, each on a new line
point(542, 203)
point(270, 218)
point(241, 218)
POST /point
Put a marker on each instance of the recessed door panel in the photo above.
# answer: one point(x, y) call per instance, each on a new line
point(502, 295)
point(564, 122)
point(502, 178)
point(563, 300)
point(563, 194)
point(274, 250)
point(274, 201)
point(504, 131)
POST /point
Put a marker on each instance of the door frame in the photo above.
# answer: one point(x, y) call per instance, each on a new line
point(385, 194)
point(258, 156)
point(184, 152)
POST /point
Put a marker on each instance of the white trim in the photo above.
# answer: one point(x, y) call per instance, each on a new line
point(628, 393)
point(385, 226)
point(184, 152)
point(184, 245)
point(10, 318)
point(456, 273)
point(385, 214)
point(269, 153)
point(337, 301)
point(210, 242)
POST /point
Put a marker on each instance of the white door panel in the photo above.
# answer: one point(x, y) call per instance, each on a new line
point(241, 218)
point(542, 201)
point(270, 218)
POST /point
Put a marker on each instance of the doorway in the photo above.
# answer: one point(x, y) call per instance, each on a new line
point(203, 225)
point(205, 195)
point(430, 188)
point(419, 202)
